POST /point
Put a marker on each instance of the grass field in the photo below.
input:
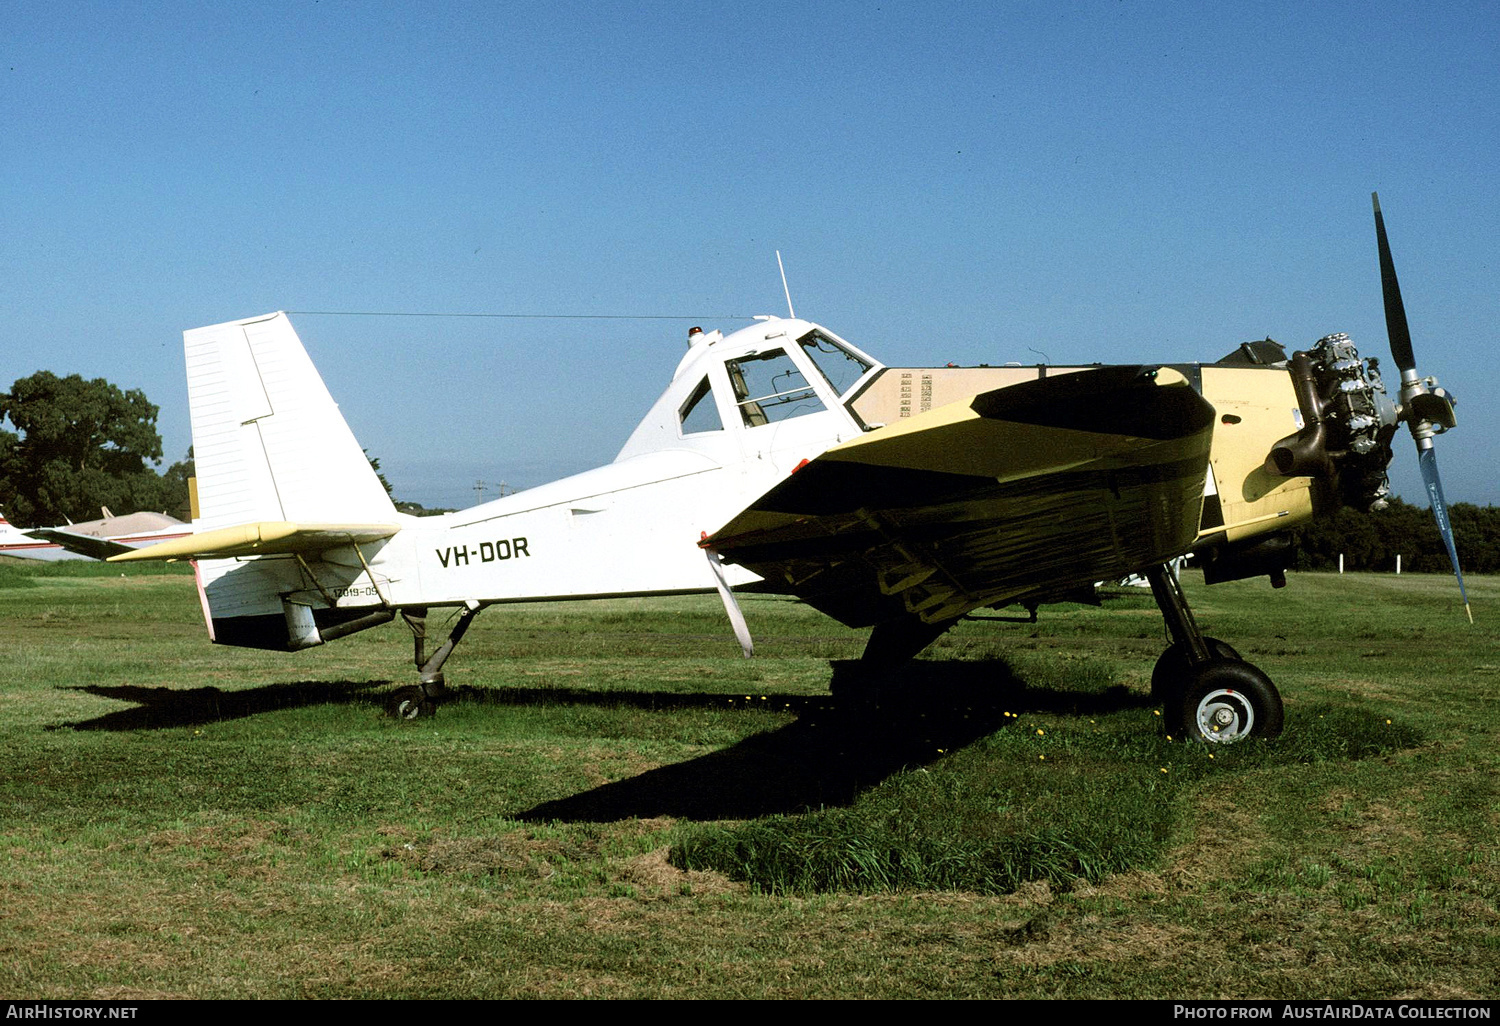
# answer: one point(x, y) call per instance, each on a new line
point(614, 804)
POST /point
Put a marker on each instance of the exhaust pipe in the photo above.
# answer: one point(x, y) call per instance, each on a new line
point(1304, 454)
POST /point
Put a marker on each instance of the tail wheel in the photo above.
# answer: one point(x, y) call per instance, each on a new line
point(410, 704)
point(1227, 701)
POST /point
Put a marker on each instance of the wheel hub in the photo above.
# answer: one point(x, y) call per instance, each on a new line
point(1225, 716)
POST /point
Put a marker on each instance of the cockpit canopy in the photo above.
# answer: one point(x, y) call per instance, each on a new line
point(766, 374)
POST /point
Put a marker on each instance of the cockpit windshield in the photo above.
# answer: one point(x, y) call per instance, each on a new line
point(768, 388)
point(841, 367)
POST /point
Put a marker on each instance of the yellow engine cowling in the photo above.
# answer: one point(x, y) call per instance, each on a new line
point(1292, 440)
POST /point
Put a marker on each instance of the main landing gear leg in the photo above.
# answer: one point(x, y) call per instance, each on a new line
point(892, 645)
point(1206, 690)
point(414, 702)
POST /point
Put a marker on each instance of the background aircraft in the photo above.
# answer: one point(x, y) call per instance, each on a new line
point(783, 458)
point(91, 539)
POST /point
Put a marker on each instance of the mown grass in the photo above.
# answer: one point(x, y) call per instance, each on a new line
point(615, 804)
point(988, 820)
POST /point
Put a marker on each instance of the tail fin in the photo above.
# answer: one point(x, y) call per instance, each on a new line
point(287, 500)
point(269, 443)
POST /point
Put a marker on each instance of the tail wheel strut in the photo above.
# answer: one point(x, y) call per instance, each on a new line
point(412, 703)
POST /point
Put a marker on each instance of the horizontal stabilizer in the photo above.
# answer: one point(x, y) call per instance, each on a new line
point(265, 538)
point(83, 544)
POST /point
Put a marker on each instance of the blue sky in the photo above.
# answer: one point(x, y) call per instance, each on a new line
point(1113, 181)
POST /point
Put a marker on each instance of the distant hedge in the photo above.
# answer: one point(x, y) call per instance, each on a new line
point(1371, 541)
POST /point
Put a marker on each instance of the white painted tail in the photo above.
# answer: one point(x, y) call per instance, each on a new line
point(275, 460)
point(269, 443)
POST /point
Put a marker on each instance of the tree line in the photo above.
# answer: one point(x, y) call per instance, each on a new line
point(1372, 541)
point(69, 447)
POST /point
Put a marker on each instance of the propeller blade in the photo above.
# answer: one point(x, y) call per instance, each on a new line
point(1395, 312)
point(1426, 410)
point(1427, 460)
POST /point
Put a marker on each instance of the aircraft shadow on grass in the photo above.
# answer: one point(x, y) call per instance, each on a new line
point(832, 751)
point(163, 708)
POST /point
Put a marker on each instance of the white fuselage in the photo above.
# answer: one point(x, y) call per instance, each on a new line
point(15, 542)
point(740, 414)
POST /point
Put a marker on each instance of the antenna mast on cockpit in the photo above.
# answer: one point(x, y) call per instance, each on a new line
point(789, 311)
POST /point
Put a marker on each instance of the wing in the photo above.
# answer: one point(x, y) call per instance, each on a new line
point(1017, 493)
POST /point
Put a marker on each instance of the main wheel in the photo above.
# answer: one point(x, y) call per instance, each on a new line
point(1170, 674)
point(1227, 701)
point(410, 704)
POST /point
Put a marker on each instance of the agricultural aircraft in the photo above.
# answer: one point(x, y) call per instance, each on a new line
point(783, 458)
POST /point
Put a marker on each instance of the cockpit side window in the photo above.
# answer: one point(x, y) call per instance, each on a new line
point(769, 388)
point(700, 413)
point(841, 367)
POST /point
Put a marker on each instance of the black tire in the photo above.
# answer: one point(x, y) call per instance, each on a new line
point(410, 704)
point(1227, 701)
point(1170, 675)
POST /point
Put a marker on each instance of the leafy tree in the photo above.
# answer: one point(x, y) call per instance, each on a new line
point(78, 445)
point(375, 466)
point(173, 484)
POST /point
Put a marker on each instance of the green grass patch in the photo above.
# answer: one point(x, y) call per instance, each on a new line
point(1037, 800)
point(613, 803)
point(16, 569)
